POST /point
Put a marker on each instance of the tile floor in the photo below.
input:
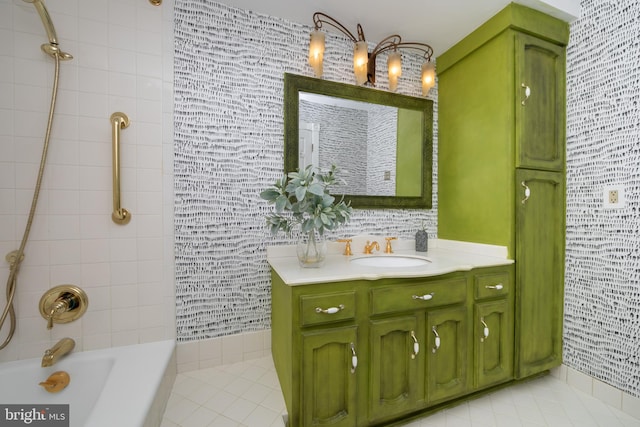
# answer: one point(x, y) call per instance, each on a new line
point(247, 394)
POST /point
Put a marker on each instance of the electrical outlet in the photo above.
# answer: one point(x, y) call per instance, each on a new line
point(613, 197)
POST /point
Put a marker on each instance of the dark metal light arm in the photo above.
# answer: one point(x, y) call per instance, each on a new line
point(320, 18)
point(392, 42)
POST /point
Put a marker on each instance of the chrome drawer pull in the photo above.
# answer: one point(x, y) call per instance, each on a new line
point(354, 359)
point(485, 331)
point(330, 310)
point(425, 297)
point(497, 287)
point(527, 192)
point(527, 93)
point(416, 346)
point(437, 339)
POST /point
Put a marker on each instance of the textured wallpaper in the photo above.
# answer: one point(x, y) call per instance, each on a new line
point(229, 67)
point(602, 285)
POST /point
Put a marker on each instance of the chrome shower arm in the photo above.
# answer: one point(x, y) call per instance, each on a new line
point(46, 20)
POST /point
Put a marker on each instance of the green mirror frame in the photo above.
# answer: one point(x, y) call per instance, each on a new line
point(294, 84)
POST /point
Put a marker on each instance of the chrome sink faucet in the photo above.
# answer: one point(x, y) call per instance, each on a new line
point(369, 247)
point(62, 347)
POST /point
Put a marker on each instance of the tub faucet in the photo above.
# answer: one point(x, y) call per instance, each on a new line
point(62, 347)
point(369, 247)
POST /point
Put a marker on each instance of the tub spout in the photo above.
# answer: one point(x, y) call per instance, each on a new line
point(62, 347)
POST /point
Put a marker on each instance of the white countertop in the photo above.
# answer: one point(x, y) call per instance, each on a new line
point(445, 256)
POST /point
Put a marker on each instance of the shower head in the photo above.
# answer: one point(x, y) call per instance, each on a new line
point(52, 47)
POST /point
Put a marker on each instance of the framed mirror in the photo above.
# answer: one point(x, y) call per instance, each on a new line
point(382, 142)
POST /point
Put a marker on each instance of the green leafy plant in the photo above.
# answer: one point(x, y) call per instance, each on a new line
point(302, 198)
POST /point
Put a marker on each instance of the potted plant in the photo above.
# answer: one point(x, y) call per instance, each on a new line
point(302, 198)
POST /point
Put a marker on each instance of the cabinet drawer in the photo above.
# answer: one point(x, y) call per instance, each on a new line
point(324, 308)
point(491, 285)
point(421, 295)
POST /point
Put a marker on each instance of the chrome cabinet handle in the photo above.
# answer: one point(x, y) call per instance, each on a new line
point(354, 359)
point(437, 339)
point(485, 330)
point(425, 297)
point(416, 346)
point(330, 310)
point(527, 93)
point(527, 192)
point(497, 287)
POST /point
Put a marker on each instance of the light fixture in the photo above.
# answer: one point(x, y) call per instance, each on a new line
point(364, 62)
point(316, 51)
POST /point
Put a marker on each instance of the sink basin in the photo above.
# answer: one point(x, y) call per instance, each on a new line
point(386, 261)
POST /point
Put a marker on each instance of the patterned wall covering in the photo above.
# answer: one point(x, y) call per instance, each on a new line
point(229, 67)
point(602, 295)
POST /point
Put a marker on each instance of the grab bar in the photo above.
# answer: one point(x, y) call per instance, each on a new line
point(119, 215)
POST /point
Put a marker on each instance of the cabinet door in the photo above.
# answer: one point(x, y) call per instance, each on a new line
point(539, 270)
point(447, 353)
point(540, 104)
point(396, 357)
point(493, 342)
point(329, 377)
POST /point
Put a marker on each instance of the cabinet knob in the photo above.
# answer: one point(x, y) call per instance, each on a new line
point(485, 330)
point(425, 297)
point(330, 310)
point(497, 287)
point(436, 340)
point(527, 93)
point(527, 192)
point(354, 359)
point(416, 346)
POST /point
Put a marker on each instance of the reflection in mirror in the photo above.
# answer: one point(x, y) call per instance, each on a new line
point(380, 141)
point(368, 163)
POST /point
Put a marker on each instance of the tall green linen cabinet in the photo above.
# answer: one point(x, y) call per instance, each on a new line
point(501, 163)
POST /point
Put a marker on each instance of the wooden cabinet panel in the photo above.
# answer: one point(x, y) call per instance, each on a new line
point(493, 342)
point(539, 271)
point(327, 307)
point(395, 367)
point(447, 353)
point(328, 377)
point(540, 104)
point(427, 294)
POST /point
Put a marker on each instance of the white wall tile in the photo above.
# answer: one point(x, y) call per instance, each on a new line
point(580, 381)
point(607, 394)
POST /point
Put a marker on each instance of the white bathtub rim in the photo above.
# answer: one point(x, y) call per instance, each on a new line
point(141, 368)
point(131, 386)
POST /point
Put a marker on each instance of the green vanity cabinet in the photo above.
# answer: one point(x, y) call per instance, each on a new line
point(408, 370)
point(317, 347)
point(501, 114)
point(371, 352)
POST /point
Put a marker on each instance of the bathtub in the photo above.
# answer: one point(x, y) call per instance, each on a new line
point(121, 386)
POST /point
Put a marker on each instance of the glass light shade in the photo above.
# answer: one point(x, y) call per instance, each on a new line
point(316, 52)
point(394, 65)
point(360, 59)
point(428, 77)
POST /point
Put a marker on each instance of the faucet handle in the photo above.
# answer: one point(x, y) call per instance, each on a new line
point(388, 249)
point(347, 249)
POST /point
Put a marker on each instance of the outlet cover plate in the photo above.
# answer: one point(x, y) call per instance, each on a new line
point(613, 197)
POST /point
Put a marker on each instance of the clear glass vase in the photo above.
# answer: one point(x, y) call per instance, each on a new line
point(311, 250)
